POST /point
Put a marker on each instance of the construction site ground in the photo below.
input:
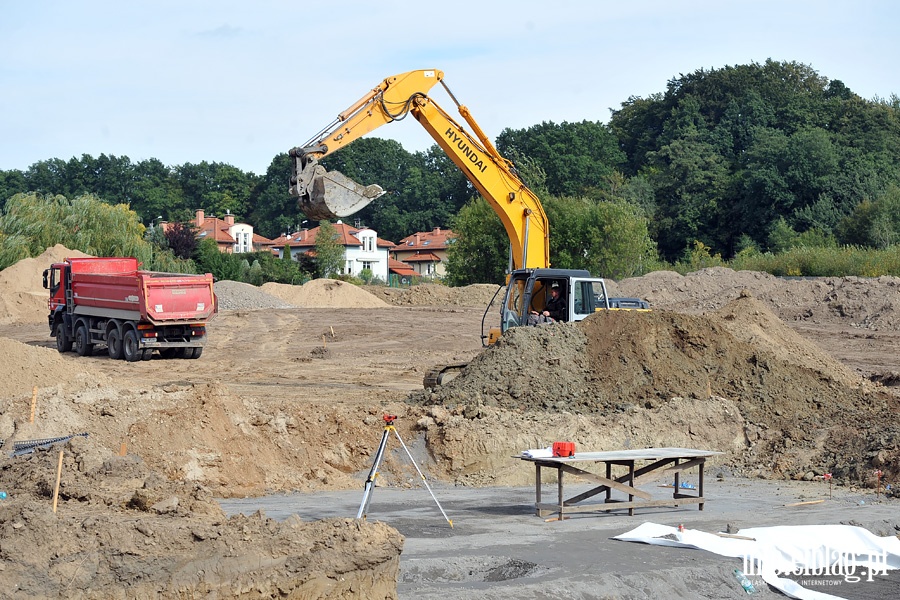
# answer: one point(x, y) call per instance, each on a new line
point(790, 379)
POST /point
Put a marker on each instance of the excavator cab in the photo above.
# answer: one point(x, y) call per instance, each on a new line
point(529, 290)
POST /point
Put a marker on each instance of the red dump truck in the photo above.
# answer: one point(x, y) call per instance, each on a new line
point(108, 301)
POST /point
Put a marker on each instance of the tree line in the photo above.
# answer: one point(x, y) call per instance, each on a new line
point(756, 159)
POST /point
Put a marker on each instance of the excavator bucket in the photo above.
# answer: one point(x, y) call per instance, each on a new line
point(332, 194)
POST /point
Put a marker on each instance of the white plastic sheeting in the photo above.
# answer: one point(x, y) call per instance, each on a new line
point(538, 452)
point(851, 552)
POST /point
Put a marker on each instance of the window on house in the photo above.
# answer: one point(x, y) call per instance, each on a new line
point(367, 264)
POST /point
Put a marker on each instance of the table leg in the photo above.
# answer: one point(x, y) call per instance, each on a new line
point(560, 486)
point(537, 488)
point(677, 482)
point(700, 482)
point(631, 484)
point(608, 476)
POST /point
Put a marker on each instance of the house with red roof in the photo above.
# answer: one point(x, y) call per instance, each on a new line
point(425, 252)
point(231, 237)
point(362, 249)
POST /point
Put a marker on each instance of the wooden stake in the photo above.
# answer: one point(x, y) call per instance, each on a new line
point(33, 403)
point(58, 476)
point(708, 388)
point(736, 537)
point(324, 343)
point(123, 449)
point(332, 330)
point(805, 503)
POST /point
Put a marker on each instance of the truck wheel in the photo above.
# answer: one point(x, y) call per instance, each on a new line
point(197, 352)
point(83, 345)
point(114, 344)
point(63, 343)
point(148, 354)
point(131, 346)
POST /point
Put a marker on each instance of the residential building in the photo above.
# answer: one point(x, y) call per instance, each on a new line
point(362, 248)
point(425, 252)
point(230, 237)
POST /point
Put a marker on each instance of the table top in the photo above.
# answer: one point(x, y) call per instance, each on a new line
point(635, 454)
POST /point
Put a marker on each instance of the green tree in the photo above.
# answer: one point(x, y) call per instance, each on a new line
point(217, 188)
point(155, 193)
point(730, 151)
point(273, 211)
point(576, 157)
point(875, 222)
point(222, 265)
point(11, 182)
point(31, 223)
point(329, 251)
point(609, 239)
point(480, 252)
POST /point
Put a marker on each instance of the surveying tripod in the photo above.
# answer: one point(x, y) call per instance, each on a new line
point(373, 473)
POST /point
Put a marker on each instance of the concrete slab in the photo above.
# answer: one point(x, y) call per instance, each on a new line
point(498, 548)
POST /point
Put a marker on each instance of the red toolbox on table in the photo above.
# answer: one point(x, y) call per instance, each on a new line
point(563, 449)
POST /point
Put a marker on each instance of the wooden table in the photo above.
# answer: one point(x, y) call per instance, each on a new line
point(663, 462)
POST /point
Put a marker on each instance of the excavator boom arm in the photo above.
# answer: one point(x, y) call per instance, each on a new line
point(325, 195)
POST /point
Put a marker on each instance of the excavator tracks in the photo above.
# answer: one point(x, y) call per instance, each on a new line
point(441, 374)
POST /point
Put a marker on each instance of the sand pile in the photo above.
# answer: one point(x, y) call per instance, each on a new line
point(124, 531)
point(26, 366)
point(867, 303)
point(324, 293)
point(63, 384)
point(431, 294)
point(23, 298)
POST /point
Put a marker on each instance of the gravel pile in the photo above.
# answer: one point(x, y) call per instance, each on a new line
point(234, 295)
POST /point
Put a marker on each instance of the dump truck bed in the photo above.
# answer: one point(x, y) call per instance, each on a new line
point(99, 287)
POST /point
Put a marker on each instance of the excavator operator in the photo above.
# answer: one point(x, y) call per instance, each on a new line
point(556, 305)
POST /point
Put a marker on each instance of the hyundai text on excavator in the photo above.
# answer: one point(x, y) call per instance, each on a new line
point(325, 195)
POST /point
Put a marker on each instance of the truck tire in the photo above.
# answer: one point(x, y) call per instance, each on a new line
point(63, 342)
point(131, 346)
point(114, 344)
point(196, 352)
point(83, 345)
point(148, 354)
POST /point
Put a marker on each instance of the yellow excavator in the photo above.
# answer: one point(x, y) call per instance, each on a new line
point(324, 195)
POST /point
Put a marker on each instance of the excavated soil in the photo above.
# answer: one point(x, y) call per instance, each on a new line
point(788, 378)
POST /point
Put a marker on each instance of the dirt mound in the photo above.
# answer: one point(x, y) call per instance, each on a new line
point(867, 303)
point(793, 402)
point(123, 527)
point(26, 367)
point(432, 294)
point(324, 293)
point(23, 298)
point(752, 322)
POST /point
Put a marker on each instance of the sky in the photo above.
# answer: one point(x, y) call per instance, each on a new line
point(239, 82)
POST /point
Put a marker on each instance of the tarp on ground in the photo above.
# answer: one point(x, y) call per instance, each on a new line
point(808, 550)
